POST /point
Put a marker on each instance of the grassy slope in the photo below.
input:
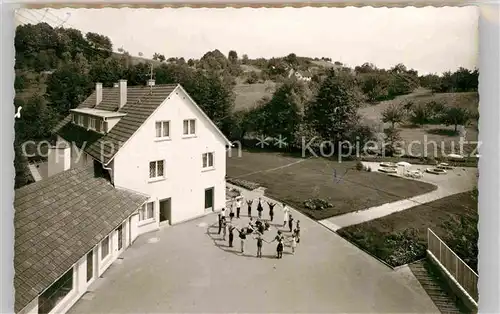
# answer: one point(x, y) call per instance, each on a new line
point(247, 95)
point(373, 236)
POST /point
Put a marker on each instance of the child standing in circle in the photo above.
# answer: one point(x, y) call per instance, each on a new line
point(260, 208)
point(243, 237)
point(249, 204)
point(279, 247)
point(271, 210)
point(293, 241)
point(259, 244)
point(285, 214)
point(290, 223)
point(238, 207)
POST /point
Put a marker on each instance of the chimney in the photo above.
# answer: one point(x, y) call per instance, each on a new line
point(115, 84)
point(98, 93)
point(59, 158)
point(123, 93)
point(151, 82)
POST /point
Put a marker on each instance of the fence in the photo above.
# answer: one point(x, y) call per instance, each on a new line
point(459, 270)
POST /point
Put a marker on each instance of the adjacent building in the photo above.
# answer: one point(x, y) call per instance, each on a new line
point(126, 161)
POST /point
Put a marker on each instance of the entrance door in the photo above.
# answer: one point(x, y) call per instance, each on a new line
point(165, 211)
point(209, 199)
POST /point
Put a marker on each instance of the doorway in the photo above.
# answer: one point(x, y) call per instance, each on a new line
point(166, 211)
point(209, 199)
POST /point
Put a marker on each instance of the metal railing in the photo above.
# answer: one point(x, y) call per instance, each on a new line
point(459, 270)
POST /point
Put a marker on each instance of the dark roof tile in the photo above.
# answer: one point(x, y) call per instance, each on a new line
point(142, 101)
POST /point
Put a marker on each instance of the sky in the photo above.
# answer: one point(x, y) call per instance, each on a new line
point(429, 40)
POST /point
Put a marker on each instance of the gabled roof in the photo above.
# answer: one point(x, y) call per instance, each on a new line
point(142, 101)
point(60, 219)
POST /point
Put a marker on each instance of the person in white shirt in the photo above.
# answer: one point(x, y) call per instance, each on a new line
point(285, 214)
point(223, 212)
point(238, 207)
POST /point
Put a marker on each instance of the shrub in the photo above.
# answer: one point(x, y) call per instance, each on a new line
point(404, 247)
point(317, 204)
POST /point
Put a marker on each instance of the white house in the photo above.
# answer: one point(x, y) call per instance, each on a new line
point(303, 76)
point(149, 148)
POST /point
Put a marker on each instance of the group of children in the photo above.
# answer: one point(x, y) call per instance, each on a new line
point(258, 228)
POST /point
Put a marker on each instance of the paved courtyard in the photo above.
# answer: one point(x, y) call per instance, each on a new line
point(187, 269)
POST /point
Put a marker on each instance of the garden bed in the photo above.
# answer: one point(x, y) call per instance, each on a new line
point(243, 183)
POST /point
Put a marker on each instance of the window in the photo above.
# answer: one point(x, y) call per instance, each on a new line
point(156, 169)
point(162, 129)
point(147, 211)
point(80, 120)
point(208, 160)
point(92, 123)
point(90, 265)
point(56, 293)
point(105, 248)
point(189, 127)
point(104, 126)
point(74, 118)
point(119, 234)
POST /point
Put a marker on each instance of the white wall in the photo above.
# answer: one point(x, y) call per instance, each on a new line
point(112, 122)
point(78, 156)
point(59, 160)
point(185, 182)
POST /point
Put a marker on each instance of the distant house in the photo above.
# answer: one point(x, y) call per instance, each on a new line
point(300, 75)
point(126, 161)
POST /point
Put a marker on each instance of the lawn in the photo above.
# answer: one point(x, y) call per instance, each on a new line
point(401, 238)
point(313, 179)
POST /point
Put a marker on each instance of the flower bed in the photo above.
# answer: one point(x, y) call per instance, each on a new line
point(244, 183)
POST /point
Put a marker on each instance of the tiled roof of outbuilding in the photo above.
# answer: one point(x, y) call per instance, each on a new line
point(60, 219)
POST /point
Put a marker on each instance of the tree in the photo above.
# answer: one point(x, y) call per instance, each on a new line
point(161, 58)
point(374, 85)
point(392, 114)
point(100, 43)
point(420, 115)
point(392, 140)
point(457, 116)
point(37, 119)
point(244, 59)
point(282, 114)
point(334, 110)
point(252, 78)
point(107, 71)
point(232, 56)
point(67, 87)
